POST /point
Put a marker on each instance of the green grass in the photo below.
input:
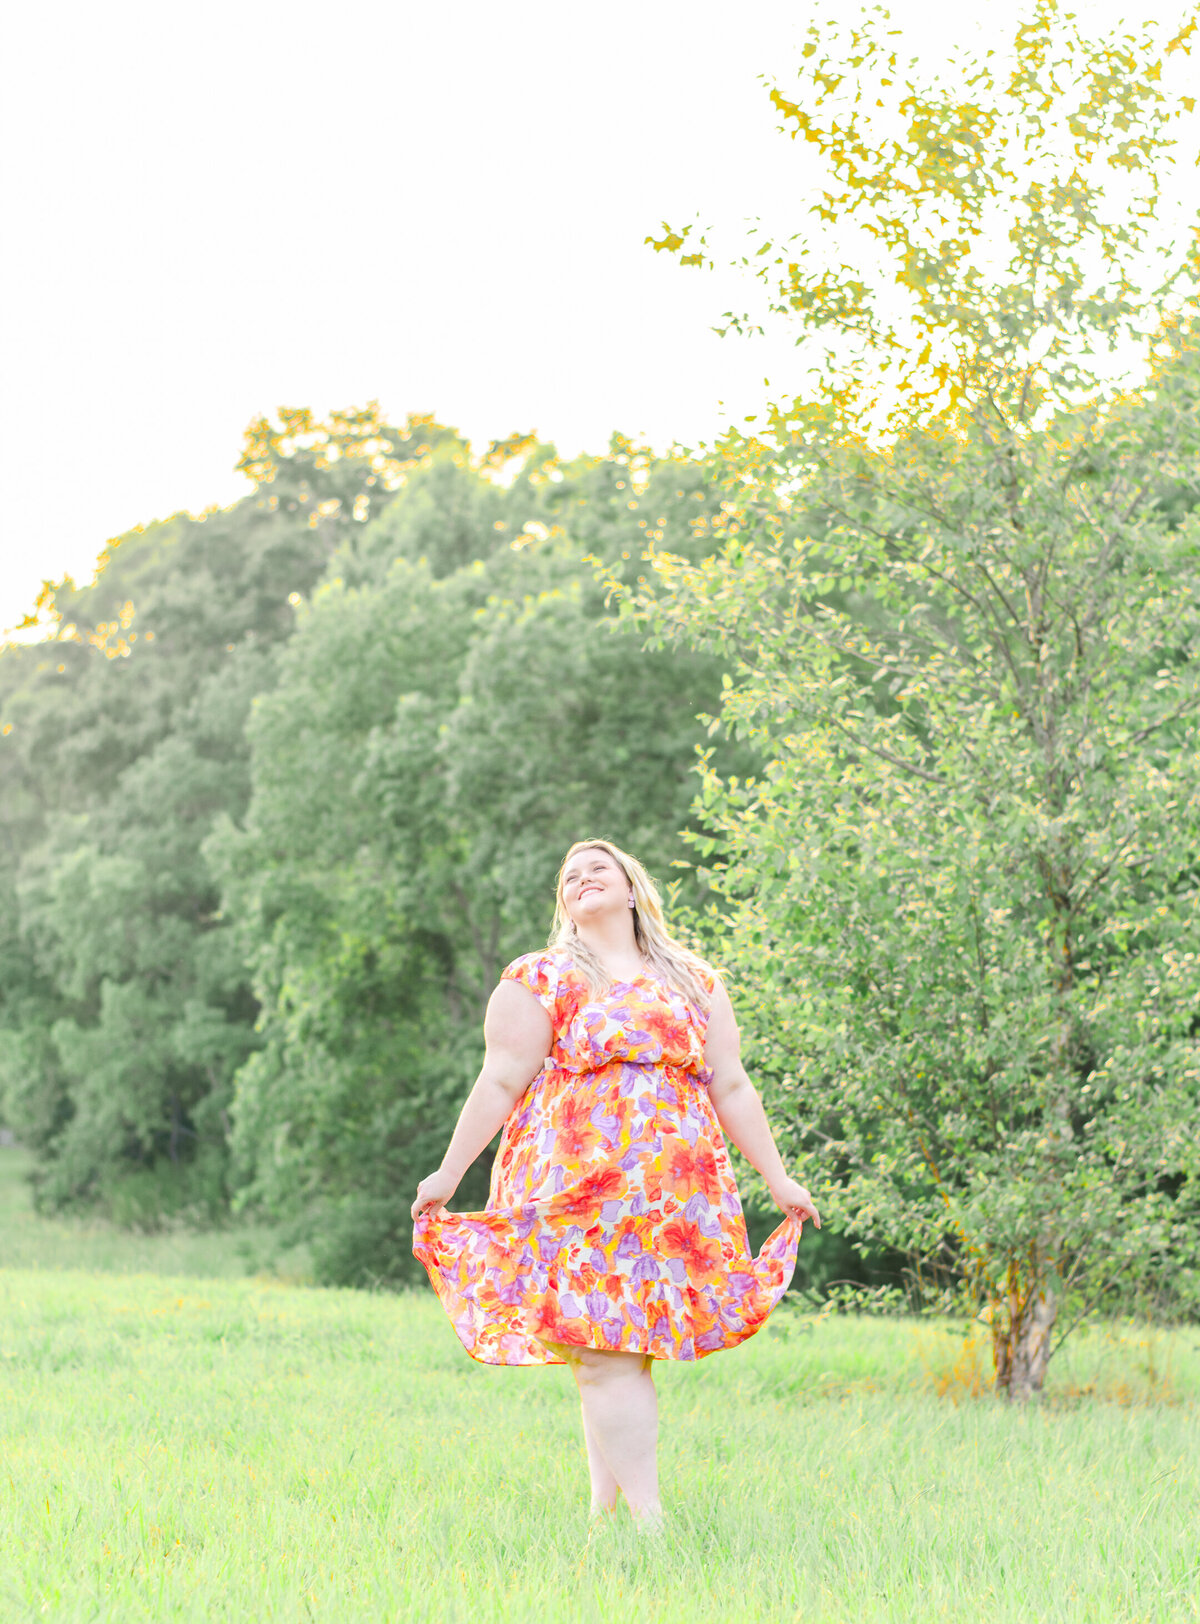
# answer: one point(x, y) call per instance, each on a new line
point(29, 1241)
point(238, 1449)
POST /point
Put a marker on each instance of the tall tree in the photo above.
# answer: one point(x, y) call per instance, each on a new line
point(960, 580)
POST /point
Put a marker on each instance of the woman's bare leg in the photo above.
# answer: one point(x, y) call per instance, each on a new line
point(605, 1487)
point(620, 1413)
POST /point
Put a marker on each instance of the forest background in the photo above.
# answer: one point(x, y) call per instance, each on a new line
point(288, 783)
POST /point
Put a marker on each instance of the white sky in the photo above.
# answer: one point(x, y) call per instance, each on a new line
point(214, 210)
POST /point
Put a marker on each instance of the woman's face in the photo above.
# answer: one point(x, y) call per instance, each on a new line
point(593, 884)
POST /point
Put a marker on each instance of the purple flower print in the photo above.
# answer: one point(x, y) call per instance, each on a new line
point(739, 1285)
point(704, 1215)
point(608, 1125)
point(645, 1268)
point(689, 1127)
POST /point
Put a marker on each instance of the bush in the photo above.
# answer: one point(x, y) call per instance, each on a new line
point(167, 1194)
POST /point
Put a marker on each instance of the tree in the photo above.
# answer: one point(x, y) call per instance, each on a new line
point(959, 582)
point(456, 707)
point(128, 1008)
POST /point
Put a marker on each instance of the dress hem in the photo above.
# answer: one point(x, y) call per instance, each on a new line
point(458, 1308)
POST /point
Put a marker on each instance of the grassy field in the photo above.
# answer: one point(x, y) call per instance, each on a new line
point(240, 1449)
point(28, 1241)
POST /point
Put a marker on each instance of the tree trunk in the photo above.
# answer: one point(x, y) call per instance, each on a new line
point(1021, 1347)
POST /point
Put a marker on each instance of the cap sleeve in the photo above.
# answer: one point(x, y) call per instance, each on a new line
point(540, 974)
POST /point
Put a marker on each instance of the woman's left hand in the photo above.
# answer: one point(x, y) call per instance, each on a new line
point(795, 1200)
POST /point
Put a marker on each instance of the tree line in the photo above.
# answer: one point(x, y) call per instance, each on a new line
point(286, 788)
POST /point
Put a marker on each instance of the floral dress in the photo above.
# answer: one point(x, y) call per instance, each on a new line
point(613, 1220)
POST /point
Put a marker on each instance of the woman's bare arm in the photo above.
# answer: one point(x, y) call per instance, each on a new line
point(740, 1111)
point(518, 1034)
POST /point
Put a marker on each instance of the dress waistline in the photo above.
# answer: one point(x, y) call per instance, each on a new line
point(550, 1066)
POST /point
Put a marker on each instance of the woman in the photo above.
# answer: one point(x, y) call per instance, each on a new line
point(613, 1234)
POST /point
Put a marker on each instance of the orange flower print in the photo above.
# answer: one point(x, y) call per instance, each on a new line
point(574, 1138)
point(689, 1168)
point(600, 1184)
point(684, 1243)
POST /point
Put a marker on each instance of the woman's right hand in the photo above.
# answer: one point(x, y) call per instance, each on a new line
point(433, 1192)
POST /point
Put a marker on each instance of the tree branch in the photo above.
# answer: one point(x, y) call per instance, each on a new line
point(886, 755)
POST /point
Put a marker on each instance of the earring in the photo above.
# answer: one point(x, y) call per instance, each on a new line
point(632, 900)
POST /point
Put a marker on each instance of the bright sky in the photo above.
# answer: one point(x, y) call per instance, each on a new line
point(214, 210)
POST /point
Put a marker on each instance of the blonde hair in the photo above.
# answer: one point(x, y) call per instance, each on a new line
point(673, 963)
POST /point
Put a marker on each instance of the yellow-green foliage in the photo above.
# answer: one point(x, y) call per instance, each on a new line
point(956, 583)
point(231, 1449)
